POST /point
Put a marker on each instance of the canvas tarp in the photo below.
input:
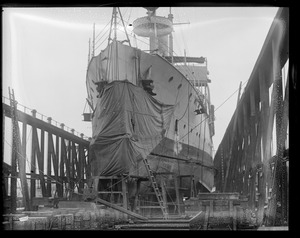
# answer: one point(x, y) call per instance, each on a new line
point(127, 123)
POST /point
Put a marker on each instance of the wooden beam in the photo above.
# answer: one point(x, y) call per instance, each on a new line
point(32, 121)
point(81, 168)
point(177, 194)
point(124, 192)
point(232, 140)
point(264, 97)
point(121, 209)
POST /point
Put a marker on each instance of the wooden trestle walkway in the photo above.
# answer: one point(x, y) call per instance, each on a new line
point(252, 158)
point(65, 153)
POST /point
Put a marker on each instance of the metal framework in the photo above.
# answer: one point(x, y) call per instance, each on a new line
point(244, 158)
point(65, 154)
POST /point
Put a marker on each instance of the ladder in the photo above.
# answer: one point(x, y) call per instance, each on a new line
point(156, 189)
point(20, 156)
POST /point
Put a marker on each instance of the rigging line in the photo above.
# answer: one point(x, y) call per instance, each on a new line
point(102, 30)
point(108, 64)
point(111, 22)
point(102, 36)
point(124, 26)
point(230, 96)
point(215, 109)
point(129, 15)
point(182, 35)
point(101, 42)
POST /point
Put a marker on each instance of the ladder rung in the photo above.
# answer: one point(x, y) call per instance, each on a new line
point(156, 189)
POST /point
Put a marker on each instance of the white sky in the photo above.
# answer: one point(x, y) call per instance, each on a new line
point(45, 54)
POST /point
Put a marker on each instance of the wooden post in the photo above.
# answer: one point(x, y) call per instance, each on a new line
point(124, 192)
point(33, 167)
point(42, 157)
point(40, 160)
point(136, 198)
point(207, 211)
point(211, 208)
point(177, 194)
point(22, 170)
point(62, 164)
point(264, 98)
point(69, 165)
point(13, 178)
point(81, 168)
point(49, 163)
point(233, 134)
point(234, 218)
point(56, 167)
point(164, 192)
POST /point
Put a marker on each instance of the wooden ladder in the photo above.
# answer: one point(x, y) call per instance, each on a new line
point(156, 189)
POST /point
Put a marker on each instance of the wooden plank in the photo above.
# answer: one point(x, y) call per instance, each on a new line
point(217, 196)
point(121, 209)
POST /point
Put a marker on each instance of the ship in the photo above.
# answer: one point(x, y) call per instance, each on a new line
point(152, 117)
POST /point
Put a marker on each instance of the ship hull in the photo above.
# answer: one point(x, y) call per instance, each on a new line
point(130, 125)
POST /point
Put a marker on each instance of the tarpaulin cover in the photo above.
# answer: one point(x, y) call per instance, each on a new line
point(127, 123)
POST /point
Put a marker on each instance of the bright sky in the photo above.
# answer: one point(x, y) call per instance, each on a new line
point(45, 54)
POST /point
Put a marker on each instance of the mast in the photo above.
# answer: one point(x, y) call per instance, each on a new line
point(124, 26)
point(170, 17)
point(156, 28)
point(93, 49)
point(89, 55)
point(116, 69)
